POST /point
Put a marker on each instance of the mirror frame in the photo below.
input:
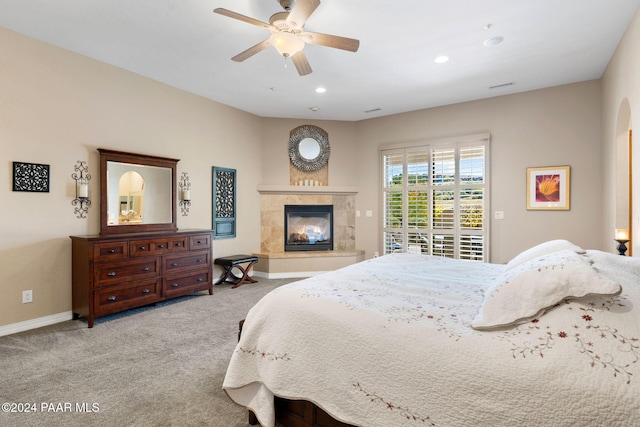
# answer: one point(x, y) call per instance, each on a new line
point(320, 136)
point(140, 159)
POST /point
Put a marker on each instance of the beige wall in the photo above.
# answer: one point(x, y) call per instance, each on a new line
point(550, 127)
point(275, 145)
point(56, 108)
point(621, 107)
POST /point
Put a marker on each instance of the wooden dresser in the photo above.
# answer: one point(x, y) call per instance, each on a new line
point(118, 272)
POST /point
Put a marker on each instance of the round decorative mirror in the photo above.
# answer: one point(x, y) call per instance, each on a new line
point(309, 148)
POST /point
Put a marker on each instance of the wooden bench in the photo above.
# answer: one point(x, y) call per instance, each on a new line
point(236, 261)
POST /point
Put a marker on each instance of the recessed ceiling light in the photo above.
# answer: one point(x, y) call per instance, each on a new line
point(441, 59)
point(314, 109)
point(493, 41)
point(320, 90)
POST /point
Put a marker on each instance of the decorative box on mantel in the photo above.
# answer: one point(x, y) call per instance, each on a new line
point(274, 261)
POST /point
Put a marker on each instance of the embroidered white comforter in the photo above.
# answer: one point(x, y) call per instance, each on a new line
point(387, 342)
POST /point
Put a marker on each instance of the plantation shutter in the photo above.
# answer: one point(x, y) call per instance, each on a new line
point(435, 198)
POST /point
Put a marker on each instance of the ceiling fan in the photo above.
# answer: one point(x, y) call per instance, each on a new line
point(288, 35)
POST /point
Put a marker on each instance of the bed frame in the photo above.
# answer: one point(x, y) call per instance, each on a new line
point(297, 413)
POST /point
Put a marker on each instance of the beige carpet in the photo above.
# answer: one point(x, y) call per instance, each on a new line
point(161, 366)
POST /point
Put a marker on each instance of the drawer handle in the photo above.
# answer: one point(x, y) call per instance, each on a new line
point(200, 279)
point(199, 242)
point(111, 274)
point(199, 260)
point(111, 298)
point(145, 269)
point(174, 264)
point(161, 246)
point(113, 251)
point(178, 244)
point(175, 285)
point(143, 248)
point(146, 291)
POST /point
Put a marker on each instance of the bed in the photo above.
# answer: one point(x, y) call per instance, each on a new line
point(550, 338)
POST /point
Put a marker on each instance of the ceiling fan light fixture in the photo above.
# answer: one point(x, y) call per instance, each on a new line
point(287, 44)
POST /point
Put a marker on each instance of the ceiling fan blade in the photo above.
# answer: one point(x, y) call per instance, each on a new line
point(328, 40)
point(252, 51)
point(302, 63)
point(239, 17)
point(301, 11)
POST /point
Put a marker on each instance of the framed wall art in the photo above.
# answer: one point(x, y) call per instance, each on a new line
point(224, 203)
point(548, 188)
point(32, 177)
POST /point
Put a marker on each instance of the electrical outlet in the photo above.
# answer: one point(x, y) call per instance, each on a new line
point(27, 296)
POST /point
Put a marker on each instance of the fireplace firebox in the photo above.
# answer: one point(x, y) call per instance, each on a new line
point(308, 228)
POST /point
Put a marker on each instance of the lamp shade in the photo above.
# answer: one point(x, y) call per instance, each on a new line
point(622, 234)
point(287, 44)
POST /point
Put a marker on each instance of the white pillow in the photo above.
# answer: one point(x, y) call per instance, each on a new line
point(526, 291)
point(543, 249)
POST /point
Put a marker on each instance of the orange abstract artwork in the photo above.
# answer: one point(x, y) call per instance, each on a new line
point(548, 188)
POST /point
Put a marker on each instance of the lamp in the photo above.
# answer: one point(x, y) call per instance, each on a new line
point(287, 44)
point(82, 177)
point(622, 237)
point(185, 194)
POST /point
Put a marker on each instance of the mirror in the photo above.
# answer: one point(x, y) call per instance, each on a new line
point(131, 198)
point(309, 148)
point(137, 193)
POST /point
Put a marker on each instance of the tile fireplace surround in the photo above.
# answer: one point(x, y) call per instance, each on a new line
point(275, 262)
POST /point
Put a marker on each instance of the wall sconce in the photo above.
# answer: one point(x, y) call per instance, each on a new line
point(82, 177)
point(622, 237)
point(185, 194)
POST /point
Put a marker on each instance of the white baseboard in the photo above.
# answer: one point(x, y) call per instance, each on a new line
point(14, 328)
point(290, 275)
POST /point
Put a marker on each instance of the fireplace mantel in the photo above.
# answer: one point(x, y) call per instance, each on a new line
point(304, 189)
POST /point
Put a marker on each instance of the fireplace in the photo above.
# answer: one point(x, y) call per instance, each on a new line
point(308, 228)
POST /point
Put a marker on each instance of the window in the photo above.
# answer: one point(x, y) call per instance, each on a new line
point(435, 198)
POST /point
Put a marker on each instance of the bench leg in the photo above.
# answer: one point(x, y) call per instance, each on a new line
point(236, 280)
point(227, 275)
point(245, 275)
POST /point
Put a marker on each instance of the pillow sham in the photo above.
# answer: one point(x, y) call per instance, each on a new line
point(526, 291)
point(543, 249)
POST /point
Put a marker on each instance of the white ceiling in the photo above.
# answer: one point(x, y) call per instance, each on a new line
point(184, 44)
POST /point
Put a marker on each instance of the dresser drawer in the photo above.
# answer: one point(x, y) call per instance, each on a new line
point(186, 261)
point(110, 251)
point(201, 241)
point(138, 248)
point(178, 244)
point(178, 285)
point(121, 271)
point(122, 297)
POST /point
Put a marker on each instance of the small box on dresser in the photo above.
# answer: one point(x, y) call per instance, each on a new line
point(114, 273)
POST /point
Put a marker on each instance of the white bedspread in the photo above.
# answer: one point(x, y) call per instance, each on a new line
point(387, 342)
